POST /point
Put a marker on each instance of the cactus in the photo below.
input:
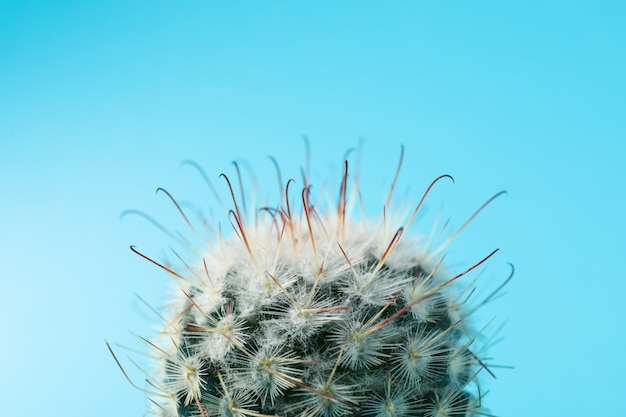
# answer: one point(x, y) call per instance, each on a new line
point(310, 312)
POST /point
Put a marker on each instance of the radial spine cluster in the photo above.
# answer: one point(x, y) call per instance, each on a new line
point(304, 312)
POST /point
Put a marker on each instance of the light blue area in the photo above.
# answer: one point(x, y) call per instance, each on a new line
point(101, 101)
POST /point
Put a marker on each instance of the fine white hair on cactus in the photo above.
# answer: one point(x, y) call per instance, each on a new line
point(394, 401)
point(423, 357)
point(309, 311)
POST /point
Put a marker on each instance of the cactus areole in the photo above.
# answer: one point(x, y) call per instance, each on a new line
point(310, 312)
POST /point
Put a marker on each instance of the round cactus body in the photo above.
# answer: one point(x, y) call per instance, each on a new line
point(308, 312)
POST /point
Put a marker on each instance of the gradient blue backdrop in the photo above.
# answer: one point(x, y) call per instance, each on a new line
point(101, 100)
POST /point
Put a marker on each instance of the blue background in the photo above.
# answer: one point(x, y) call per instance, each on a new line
point(101, 101)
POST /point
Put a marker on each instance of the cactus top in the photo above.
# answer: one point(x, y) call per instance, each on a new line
point(316, 314)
